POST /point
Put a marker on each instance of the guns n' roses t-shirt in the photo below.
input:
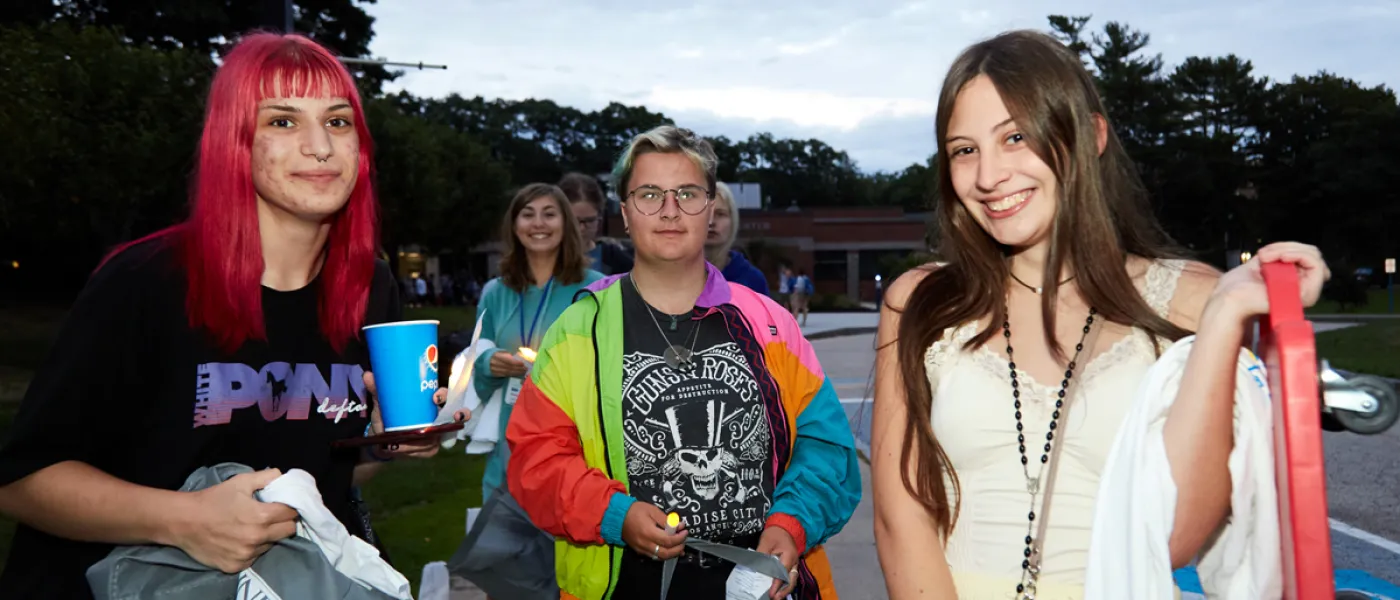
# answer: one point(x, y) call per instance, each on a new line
point(697, 442)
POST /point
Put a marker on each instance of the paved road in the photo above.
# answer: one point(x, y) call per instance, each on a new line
point(1363, 475)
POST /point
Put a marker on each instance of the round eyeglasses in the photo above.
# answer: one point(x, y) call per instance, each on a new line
point(649, 199)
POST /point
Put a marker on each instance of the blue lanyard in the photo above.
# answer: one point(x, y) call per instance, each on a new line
point(535, 320)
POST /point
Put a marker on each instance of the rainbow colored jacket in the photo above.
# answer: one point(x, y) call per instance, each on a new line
point(568, 467)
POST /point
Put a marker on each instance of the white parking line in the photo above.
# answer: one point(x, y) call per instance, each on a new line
point(854, 400)
point(1365, 536)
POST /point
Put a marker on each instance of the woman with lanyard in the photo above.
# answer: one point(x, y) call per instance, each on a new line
point(543, 266)
point(1049, 242)
point(669, 406)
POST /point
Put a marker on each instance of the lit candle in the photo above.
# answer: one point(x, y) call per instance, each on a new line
point(527, 353)
point(673, 522)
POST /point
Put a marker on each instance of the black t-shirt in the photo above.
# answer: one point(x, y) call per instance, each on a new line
point(132, 390)
point(697, 444)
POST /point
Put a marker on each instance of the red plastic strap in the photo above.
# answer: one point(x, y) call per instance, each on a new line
point(1290, 353)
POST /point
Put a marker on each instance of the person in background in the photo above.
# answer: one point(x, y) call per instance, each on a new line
point(234, 336)
point(719, 244)
point(420, 291)
point(801, 295)
point(670, 389)
point(606, 256)
point(784, 296)
point(542, 268)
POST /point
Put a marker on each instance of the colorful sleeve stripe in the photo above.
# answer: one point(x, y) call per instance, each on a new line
point(548, 474)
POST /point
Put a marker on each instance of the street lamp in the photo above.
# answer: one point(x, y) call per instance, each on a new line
point(278, 14)
point(365, 61)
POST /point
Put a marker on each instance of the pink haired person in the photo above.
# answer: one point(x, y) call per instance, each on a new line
point(233, 336)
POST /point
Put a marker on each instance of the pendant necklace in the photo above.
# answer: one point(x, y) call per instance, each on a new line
point(677, 357)
point(1035, 288)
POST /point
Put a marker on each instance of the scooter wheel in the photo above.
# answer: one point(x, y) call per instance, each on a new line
point(1379, 420)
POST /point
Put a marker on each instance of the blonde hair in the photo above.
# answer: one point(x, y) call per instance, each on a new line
point(665, 139)
point(724, 198)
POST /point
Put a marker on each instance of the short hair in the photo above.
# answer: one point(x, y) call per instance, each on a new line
point(665, 139)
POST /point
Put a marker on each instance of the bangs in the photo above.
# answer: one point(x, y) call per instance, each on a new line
point(294, 72)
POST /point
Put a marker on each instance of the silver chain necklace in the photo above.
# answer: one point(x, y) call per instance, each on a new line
point(678, 357)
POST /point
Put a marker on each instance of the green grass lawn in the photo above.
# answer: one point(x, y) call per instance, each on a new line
point(1378, 303)
point(419, 507)
point(1373, 347)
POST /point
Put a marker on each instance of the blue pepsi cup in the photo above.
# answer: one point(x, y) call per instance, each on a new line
point(404, 358)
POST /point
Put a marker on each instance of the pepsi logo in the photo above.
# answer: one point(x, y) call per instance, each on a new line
point(431, 356)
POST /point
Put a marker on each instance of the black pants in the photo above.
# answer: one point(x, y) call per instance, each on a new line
point(640, 578)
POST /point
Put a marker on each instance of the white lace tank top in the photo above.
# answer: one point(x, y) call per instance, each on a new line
point(973, 419)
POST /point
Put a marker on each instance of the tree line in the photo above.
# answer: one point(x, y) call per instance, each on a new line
point(1233, 158)
point(102, 100)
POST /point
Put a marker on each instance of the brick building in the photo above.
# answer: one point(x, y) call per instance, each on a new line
point(842, 248)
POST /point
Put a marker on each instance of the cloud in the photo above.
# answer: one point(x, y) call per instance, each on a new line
point(862, 76)
point(974, 17)
point(799, 49)
point(912, 9)
point(804, 108)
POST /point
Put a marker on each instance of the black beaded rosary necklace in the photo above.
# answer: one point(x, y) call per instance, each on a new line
point(1030, 573)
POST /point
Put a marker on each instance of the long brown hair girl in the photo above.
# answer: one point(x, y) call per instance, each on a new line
point(1047, 232)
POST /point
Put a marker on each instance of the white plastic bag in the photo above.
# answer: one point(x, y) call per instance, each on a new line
point(436, 583)
point(460, 392)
